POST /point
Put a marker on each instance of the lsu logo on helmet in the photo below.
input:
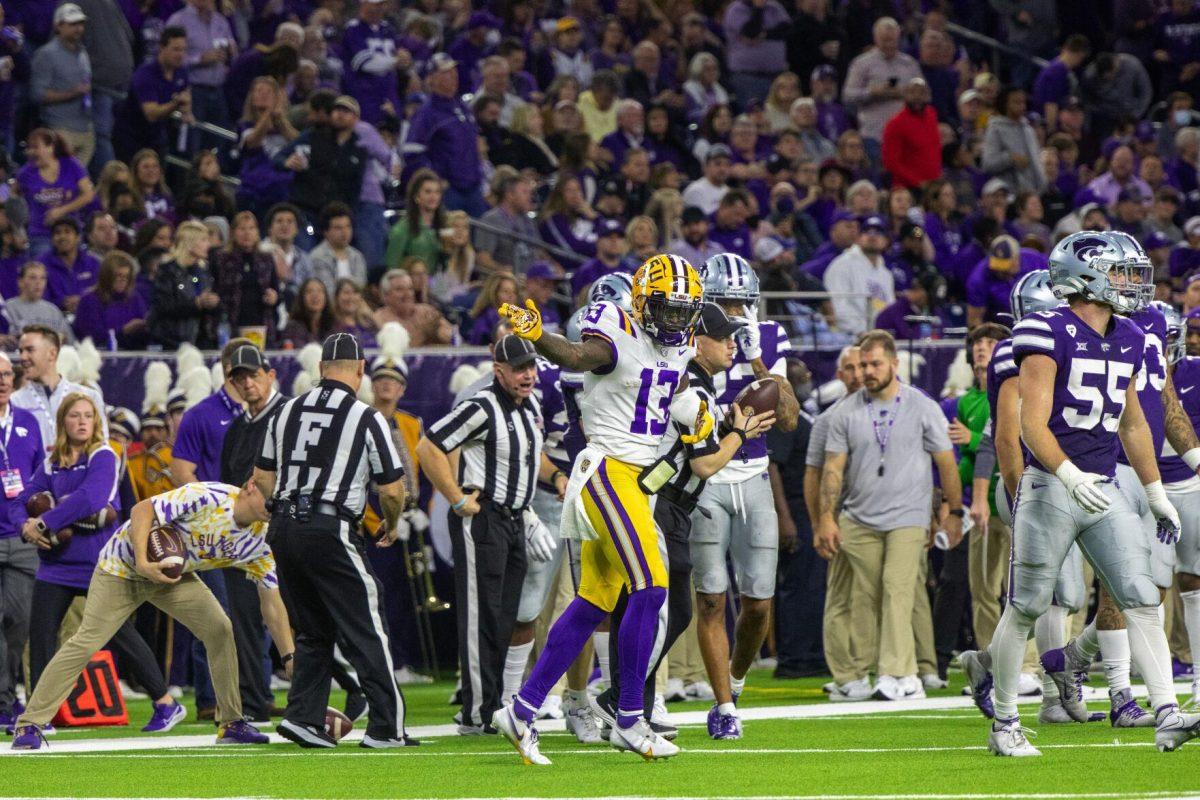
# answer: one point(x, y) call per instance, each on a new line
point(667, 299)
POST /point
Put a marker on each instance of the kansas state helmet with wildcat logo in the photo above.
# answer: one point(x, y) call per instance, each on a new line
point(1094, 372)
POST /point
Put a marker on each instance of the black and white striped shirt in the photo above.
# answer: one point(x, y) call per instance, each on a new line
point(501, 445)
point(328, 445)
point(684, 486)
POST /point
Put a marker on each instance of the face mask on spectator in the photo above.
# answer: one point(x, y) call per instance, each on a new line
point(1182, 117)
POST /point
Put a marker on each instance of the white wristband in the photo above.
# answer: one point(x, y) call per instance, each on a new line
point(1192, 459)
point(1068, 473)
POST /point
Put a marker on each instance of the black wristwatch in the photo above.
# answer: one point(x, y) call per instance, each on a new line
point(958, 512)
point(740, 433)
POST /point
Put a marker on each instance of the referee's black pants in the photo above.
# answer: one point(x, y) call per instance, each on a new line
point(489, 571)
point(676, 526)
point(245, 613)
point(332, 595)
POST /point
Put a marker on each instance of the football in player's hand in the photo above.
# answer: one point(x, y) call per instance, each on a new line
point(762, 396)
point(337, 724)
point(39, 504)
point(59, 538)
point(98, 520)
point(165, 545)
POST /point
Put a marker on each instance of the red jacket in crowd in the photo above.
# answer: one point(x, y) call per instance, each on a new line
point(912, 147)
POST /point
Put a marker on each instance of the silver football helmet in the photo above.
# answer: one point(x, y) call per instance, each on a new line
point(1176, 343)
point(728, 276)
point(1108, 267)
point(574, 327)
point(615, 287)
point(1031, 293)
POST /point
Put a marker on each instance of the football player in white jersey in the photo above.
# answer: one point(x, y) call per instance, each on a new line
point(736, 513)
point(634, 369)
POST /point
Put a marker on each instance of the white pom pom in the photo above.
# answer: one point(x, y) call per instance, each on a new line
point(68, 364)
point(403, 529)
point(187, 357)
point(216, 374)
point(309, 358)
point(196, 384)
point(960, 376)
point(158, 386)
point(393, 340)
point(463, 377)
point(302, 383)
point(419, 520)
point(89, 361)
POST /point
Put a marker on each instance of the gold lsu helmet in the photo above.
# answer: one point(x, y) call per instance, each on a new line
point(667, 298)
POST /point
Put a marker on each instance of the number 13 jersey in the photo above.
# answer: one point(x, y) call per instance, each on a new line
point(1094, 372)
point(625, 405)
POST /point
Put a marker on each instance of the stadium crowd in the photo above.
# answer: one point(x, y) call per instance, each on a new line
point(192, 172)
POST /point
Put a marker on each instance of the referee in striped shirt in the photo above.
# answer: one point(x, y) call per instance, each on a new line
point(319, 453)
point(500, 433)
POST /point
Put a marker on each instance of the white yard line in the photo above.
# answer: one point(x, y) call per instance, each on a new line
point(812, 711)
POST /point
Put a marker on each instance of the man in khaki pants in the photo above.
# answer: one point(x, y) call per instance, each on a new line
point(202, 514)
point(872, 451)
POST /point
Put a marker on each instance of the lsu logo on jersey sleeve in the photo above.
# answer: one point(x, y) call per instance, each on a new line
point(625, 406)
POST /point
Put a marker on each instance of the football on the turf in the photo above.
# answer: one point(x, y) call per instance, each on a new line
point(39, 504)
point(337, 724)
point(762, 396)
point(165, 545)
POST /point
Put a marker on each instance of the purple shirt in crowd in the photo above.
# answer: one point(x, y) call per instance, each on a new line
point(42, 196)
point(63, 281)
point(990, 290)
point(22, 450)
point(1053, 85)
point(590, 272)
point(202, 433)
point(150, 85)
point(79, 491)
point(98, 319)
point(734, 240)
point(364, 47)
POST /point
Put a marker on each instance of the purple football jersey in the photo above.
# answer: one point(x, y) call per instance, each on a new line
point(751, 459)
point(1186, 378)
point(554, 413)
point(1152, 377)
point(1000, 368)
point(1094, 372)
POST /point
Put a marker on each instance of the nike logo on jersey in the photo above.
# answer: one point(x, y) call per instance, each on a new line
point(1148, 327)
point(1186, 389)
point(1126, 349)
point(683, 352)
point(225, 422)
point(1036, 485)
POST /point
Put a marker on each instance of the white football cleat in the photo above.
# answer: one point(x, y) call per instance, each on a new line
point(930, 680)
point(887, 687)
point(675, 691)
point(638, 738)
point(700, 690)
point(912, 687)
point(551, 708)
point(829, 687)
point(851, 692)
point(1029, 685)
point(523, 737)
point(582, 722)
point(1174, 728)
point(1053, 713)
point(659, 712)
point(1009, 740)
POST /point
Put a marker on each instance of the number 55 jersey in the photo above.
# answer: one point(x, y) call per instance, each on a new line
point(626, 405)
point(1094, 372)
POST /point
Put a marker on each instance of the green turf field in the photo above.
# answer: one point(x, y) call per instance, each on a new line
point(919, 753)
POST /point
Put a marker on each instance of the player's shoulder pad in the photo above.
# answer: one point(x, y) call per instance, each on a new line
point(608, 320)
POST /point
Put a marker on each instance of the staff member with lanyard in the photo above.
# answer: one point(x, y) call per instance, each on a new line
point(21, 441)
point(500, 431)
point(319, 454)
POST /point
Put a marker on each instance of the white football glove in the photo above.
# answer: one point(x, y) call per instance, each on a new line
point(1084, 487)
point(539, 544)
point(1168, 518)
point(749, 339)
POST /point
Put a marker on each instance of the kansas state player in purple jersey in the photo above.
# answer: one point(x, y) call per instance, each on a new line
point(1079, 402)
point(1182, 483)
point(1032, 293)
point(736, 511)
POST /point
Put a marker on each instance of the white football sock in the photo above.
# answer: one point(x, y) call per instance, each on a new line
point(600, 645)
point(1114, 650)
point(737, 685)
point(1148, 645)
point(1050, 633)
point(1191, 620)
point(1008, 651)
point(1087, 643)
point(514, 669)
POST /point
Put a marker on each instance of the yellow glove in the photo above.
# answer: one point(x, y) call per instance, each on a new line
point(526, 322)
point(703, 427)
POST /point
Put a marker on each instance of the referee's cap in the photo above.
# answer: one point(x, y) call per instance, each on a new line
point(716, 324)
point(342, 347)
point(515, 351)
point(247, 357)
